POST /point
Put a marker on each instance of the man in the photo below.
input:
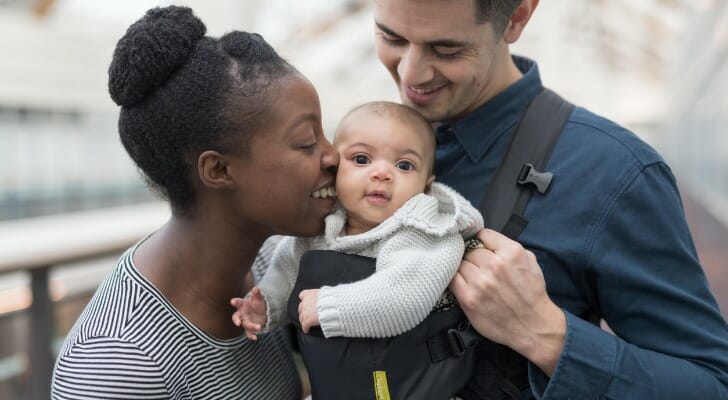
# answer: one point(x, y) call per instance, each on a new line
point(609, 235)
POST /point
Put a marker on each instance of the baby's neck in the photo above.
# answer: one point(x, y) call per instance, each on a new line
point(355, 230)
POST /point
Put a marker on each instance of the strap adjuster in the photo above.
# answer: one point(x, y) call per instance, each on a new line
point(541, 180)
point(457, 344)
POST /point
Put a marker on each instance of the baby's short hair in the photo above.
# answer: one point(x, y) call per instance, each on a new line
point(402, 113)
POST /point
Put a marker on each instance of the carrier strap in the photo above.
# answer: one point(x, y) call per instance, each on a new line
point(522, 168)
point(500, 372)
point(513, 183)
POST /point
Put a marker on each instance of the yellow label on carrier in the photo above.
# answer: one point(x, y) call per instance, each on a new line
point(381, 389)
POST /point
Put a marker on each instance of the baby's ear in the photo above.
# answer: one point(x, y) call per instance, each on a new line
point(429, 183)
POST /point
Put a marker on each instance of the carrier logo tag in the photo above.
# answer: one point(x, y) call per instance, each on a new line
point(381, 389)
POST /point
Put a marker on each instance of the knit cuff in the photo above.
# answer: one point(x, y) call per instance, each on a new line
point(272, 312)
point(329, 316)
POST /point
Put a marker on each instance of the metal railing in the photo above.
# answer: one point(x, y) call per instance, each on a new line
point(38, 245)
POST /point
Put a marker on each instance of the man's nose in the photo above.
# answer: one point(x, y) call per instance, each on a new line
point(414, 67)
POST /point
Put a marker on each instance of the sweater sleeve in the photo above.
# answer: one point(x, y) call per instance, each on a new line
point(277, 283)
point(413, 270)
point(105, 368)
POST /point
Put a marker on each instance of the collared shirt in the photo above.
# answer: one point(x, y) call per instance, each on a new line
point(610, 233)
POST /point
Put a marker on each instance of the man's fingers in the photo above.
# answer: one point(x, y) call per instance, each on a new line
point(468, 271)
point(493, 240)
point(458, 285)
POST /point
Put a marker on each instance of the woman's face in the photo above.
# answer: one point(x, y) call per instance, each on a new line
point(284, 178)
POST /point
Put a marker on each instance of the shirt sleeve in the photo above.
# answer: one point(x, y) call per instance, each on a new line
point(413, 270)
point(670, 341)
point(107, 368)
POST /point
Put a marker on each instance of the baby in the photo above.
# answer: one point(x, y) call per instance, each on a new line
point(389, 209)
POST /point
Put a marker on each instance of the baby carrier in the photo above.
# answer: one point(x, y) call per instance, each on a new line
point(443, 356)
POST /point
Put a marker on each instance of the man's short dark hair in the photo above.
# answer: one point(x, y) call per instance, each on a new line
point(496, 11)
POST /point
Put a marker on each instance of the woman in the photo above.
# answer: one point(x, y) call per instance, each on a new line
point(230, 134)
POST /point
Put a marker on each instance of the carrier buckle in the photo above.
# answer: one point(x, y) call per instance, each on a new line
point(541, 180)
point(457, 343)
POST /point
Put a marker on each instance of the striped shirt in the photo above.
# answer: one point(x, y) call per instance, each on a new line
point(131, 343)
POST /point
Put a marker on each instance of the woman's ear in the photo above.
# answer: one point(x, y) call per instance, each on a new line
point(213, 169)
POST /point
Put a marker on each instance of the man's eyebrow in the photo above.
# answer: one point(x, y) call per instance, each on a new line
point(433, 43)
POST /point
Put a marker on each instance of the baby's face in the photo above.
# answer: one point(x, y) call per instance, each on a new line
point(383, 163)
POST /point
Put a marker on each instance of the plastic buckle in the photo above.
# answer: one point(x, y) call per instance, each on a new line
point(457, 344)
point(541, 180)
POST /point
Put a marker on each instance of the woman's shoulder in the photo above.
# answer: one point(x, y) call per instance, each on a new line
point(113, 306)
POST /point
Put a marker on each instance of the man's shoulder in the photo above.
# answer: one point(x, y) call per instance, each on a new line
point(599, 138)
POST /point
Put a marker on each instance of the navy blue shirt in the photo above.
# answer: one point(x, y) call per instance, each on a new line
point(611, 229)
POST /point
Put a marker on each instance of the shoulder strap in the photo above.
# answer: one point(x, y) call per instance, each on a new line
point(520, 171)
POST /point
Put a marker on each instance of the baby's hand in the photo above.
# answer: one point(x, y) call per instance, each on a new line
point(251, 313)
point(307, 313)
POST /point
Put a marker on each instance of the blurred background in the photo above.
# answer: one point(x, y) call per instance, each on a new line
point(70, 199)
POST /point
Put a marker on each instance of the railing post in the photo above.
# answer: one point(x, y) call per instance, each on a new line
point(41, 332)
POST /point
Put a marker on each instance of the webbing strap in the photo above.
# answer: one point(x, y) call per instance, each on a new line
point(520, 171)
point(519, 174)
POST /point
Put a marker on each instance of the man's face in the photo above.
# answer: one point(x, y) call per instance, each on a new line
point(444, 63)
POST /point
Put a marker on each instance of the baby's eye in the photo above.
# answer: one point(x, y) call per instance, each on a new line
point(405, 165)
point(361, 159)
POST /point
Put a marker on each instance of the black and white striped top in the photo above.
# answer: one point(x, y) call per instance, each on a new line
point(130, 343)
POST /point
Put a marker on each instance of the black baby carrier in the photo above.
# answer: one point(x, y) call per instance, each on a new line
point(412, 365)
point(443, 356)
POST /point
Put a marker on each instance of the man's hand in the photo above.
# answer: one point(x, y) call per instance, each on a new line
point(250, 313)
point(307, 312)
point(502, 291)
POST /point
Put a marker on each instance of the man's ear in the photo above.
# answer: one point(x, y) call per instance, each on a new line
point(518, 20)
point(212, 167)
point(429, 183)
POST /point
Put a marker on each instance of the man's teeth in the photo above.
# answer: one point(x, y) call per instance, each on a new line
point(324, 193)
point(422, 91)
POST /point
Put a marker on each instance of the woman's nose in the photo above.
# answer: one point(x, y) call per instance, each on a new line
point(329, 155)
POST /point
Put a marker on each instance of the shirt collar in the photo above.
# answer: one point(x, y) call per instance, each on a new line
point(480, 129)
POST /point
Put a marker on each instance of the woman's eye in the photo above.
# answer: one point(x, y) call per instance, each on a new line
point(405, 165)
point(308, 147)
point(360, 159)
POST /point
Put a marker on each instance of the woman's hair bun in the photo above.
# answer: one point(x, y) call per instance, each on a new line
point(152, 49)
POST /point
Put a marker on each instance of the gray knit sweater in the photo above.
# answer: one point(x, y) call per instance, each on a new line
point(418, 250)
